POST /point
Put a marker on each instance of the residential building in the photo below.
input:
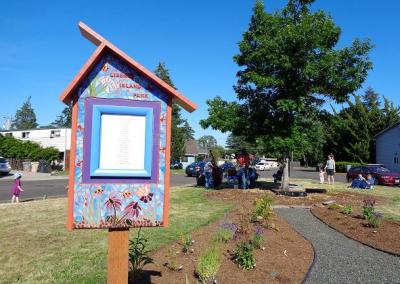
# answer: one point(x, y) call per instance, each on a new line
point(388, 147)
point(192, 150)
point(59, 138)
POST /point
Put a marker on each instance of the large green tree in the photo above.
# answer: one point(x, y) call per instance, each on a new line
point(25, 117)
point(350, 132)
point(207, 142)
point(180, 128)
point(290, 65)
point(64, 119)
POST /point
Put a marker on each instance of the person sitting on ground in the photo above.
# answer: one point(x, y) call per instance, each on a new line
point(361, 183)
point(371, 181)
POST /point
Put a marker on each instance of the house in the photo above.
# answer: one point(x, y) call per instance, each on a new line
point(192, 150)
point(388, 147)
point(59, 138)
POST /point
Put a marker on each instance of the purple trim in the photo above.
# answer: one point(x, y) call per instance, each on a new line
point(89, 102)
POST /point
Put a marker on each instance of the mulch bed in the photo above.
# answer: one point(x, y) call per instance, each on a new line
point(385, 238)
point(286, 258)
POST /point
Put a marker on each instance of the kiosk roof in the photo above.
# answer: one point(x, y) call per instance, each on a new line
point(102, 46)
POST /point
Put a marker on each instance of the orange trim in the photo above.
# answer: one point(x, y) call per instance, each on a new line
point(90, 34)
point(70, 213)
point(167, 162)
point(66, 95)
point(101, 42)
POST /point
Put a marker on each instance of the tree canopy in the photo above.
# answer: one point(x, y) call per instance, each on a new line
point(180, 128)
point(290, 65)
point(25, 117)
point(64, 119)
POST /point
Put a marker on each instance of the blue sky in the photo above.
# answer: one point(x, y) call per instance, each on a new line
point(41, 48)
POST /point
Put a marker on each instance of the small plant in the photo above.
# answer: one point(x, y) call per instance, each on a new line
point(244, 255)
point(186, 241)
point(223, 235)
point(226, 232)
point(368, 208)
point(334, 206)
point(348, 209)
point(258, 238)
point(375, 220)
point(208, 264)
point(138, 257)
point(172, 263)
point(262, 209)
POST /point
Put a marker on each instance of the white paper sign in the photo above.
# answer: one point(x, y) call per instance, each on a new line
point(122, 142)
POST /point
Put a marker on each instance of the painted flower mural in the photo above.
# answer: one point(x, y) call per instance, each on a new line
point(118, 204)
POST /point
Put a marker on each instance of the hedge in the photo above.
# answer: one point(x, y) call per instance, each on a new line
point(341, 166)
point(11, 147)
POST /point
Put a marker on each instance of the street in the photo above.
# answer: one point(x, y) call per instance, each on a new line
point(37, 189)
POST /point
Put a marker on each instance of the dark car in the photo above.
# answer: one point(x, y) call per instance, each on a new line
point(194, 169)
point(381, 174)
point(176, 165)
point(226, 166)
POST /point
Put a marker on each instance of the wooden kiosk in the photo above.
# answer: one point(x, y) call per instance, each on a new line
point(120, 148)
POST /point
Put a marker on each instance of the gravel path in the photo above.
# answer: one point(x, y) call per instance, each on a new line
point(339, 259)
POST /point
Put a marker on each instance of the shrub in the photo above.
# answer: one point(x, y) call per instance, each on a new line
point(375, 219)
point(341, 166)
point(11, 147)
point(262, 209)
point(348, 209)
point(208, 264)
point(244, 255)
point(368, 208)
point(138, 254)
point(258, 238)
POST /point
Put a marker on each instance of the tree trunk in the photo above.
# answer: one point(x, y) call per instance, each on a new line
point(285, 175)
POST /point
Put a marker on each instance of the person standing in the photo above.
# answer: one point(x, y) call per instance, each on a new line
point(16, 188)
point(330, 169)
point(244, 163)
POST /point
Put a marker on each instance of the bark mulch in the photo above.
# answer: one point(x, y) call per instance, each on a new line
point(286, 258)
point(386, 237)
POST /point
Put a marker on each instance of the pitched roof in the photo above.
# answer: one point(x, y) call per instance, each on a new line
point(387, 129)
point(102, 46)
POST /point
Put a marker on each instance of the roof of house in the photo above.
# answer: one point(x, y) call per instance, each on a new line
point(104, 45)
point(192, 148)
point(387, 129)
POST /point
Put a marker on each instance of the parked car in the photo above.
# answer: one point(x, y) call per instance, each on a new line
point(262, 166)
point(381, 174)
point(4, 166)
point(176, 165)
point(227, 165)
point(194, 169)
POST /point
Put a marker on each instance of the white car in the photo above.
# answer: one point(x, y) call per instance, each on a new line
point(263, 166)
point(4, 166)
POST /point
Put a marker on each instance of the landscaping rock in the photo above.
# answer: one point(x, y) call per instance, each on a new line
point(329, 202)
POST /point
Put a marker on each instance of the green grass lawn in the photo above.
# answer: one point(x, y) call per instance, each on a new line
point(178, 172)
point(391, 208)
point(36, 247)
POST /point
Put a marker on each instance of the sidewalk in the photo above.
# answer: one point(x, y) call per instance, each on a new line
point(29, 176)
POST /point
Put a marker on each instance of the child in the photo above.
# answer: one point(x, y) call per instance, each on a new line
point(17, 188)
point(321, 176)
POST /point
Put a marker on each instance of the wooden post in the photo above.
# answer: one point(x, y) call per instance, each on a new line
point(118, 256)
